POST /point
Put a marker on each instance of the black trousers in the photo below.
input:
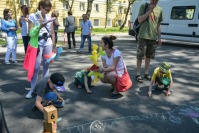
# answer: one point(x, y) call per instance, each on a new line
point(26, 40)
point(73, 38)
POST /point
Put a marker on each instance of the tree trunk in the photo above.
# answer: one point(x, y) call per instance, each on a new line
point(126, 16)
point(89, 8)
point(107, 5)
point(15, 10)
point(72, 5)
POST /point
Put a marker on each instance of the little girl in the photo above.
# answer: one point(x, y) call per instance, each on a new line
point(82, 80)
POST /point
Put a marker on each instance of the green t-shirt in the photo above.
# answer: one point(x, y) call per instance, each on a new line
point(148, 29)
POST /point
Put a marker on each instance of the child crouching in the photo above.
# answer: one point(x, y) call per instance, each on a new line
point(82, 80)
point(161, 79)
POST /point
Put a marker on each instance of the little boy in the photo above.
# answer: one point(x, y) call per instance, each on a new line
point(162, 79)
point(46, 89)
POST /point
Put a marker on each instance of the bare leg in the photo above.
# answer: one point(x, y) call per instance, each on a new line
point(139, 64)
point(147, 63)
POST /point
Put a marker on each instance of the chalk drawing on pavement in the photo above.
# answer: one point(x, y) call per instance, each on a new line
point(176, 116)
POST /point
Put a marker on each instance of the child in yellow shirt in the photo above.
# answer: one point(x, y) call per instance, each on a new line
point(162, 79)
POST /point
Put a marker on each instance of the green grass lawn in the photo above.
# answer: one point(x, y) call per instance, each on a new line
point(95, 31)
point(98, 30)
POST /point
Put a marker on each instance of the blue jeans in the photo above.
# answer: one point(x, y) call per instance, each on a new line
point(51, 96)
point(83, 38)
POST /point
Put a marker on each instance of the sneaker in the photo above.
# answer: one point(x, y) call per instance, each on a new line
point(29, 95)
point(7, 62)
point(14, 61)
point(80, 52)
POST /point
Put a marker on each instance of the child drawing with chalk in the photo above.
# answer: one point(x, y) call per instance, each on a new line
point(161, 79)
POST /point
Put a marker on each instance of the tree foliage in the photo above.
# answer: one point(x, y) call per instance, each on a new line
point(130, 2)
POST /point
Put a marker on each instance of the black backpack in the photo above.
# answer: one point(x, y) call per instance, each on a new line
point(136, 25)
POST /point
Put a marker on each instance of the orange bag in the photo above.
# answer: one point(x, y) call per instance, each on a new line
point(124, 82)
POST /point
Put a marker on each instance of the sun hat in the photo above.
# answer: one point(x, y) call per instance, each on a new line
point(164, 67)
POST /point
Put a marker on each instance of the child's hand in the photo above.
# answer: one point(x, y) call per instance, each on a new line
point(149, 93)
point(60, 99)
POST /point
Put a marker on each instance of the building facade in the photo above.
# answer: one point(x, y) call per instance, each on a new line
point(116, 12)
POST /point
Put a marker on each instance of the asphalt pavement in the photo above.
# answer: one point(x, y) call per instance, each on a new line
point(131, 112)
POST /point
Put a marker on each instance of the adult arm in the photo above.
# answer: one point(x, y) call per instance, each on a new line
point(91, 28)
point(142, 18)
point(159, 34)
point(20, 24)
point(104, 63)
point(3, 26)
point(113, 66)
point(53, 37)
point(56, 22)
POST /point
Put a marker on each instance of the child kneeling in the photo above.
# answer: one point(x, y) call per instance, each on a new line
point(82, 80)
point(161, 79)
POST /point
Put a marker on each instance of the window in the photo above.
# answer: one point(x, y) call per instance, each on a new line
point(120, 10)
point(96, 22)
point(109, 23)
point(65, 5)
point(183, 12)
point(82, 6)
point(119, 22)
point(25, 2)
point(96, 7)
point(80, 22)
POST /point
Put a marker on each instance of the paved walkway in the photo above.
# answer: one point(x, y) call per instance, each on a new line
point(132, 112)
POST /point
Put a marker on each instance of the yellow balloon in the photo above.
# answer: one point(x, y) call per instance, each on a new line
point(94, 57)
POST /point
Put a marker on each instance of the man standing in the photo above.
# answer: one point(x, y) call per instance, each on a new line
point(86, 30)
point(149, 36)
point(70, 29)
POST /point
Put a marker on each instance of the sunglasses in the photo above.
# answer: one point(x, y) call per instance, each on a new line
point(47, 9)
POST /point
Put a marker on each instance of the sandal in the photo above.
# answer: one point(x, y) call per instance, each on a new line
point(139, 79)
point(147, 76)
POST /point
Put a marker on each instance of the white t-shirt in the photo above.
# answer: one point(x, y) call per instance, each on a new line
point(35, 20)
point(109, 61)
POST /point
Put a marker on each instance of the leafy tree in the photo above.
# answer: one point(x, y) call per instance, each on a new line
point(68, 3)
point(109, 4)
point(130, 2)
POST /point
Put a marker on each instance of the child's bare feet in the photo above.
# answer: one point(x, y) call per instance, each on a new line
point(79, 86)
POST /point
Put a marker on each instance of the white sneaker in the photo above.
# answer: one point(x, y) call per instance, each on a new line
point(14, 61)
point(7, 62)
point(29, 95)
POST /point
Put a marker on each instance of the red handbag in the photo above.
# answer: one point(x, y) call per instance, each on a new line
point(124, 82)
